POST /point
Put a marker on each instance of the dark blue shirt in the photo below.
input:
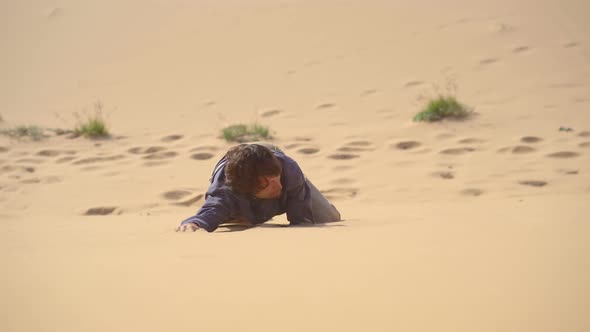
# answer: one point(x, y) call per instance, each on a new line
point(223, 205)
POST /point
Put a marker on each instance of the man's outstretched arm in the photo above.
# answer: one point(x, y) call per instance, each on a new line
point(215, 211)
point(188, 227)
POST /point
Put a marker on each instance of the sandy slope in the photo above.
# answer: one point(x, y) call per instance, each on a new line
point(460, 226)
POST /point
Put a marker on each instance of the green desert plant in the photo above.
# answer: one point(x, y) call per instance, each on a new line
point(93, 126)
point(442, 103)
point(242, 133)
point(442, 107)
point(33, 132)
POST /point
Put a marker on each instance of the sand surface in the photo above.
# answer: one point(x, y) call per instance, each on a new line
point(478, 225)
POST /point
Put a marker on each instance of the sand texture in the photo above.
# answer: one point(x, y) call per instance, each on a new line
point(473, 225)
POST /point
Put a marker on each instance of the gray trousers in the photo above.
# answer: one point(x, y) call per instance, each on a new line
point(321, 209)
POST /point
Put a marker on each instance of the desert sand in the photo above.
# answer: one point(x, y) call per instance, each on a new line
point(476, 225)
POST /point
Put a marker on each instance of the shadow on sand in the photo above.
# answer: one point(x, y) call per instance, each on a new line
point(224, 228)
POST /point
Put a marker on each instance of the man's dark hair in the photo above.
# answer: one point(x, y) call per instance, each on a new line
point(245, 163)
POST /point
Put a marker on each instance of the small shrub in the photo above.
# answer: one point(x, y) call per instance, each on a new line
point(242, 133)
point(442, 107)
point(33, 132)
point(94, 126)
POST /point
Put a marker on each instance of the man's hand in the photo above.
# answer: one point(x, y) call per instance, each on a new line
point(188, 227)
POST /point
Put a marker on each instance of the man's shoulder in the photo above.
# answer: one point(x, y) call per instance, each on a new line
point(292, 173)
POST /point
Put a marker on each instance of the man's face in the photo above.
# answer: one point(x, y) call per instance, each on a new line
point(269, 187)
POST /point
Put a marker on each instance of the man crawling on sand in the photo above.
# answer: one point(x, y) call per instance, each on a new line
point(253, 183)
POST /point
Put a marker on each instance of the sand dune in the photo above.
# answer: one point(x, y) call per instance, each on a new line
point(475, 225)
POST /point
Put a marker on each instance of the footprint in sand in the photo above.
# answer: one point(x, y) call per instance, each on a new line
point(53, 13)
point(100, 211)
point(64, 160)
point(325, 106)
point(202, 156)
point(501, 28)
point(457, 151)
point(4, 149)
point(488, 61)
point(308, 151)
point(444, 175)
point(175, 195)
point(533, 183)
point(270, 113)
point(520, 49)
point(342, 168)
point(171, 138)
point(357, 146)
point(346, 152)
point(30, 181)
point(161, 155)
point(360, 143)
point(410, 84)
point(92, 160)
point(148, 150)
point(563, 155)
point(91, 168)
point(48, 153)
point(472, 192)
point(570, 44)
point(46, 180)
point(568, 171)
point(154, 163)
point(531, 139)
point(406, 145)
point(368, 92)
point(340, 193)
point(293, 146)
point(206, 148)
point(303, 147)
point(10, 168)
point(471, 141)
point(343, 156)
point(30, 161)
point(343, 181)
point(584, 144)
point(7, 189)
point(519, 149)
point(584, 134)
point(52, 179)
point(178, 194)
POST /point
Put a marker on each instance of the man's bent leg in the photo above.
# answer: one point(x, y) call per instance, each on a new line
point(321, 209)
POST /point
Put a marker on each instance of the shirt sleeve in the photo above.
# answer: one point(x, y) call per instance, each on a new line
point(215, 211)
point(298, 195)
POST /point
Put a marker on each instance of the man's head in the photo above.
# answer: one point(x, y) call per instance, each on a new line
point(253, 170)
